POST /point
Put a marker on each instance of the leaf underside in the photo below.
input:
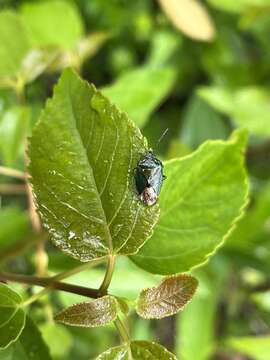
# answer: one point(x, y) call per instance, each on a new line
point(83, 152)
point(168, 298)
point(94, 313)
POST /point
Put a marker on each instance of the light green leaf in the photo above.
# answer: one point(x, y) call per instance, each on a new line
point(58, 339)
point(30, 345)
point(14, 124)
point(138, 350)
point(168, 298)
point(82, 173)
point(256, 347)
point(14, 228)
point(202, 198)
point(53, 22)
point(248, 107)
point(94, 313)
point(239, 5)
point(190, 17)
point(201, 123)
point(140, 91)
point(12, 318)
point(14, 43)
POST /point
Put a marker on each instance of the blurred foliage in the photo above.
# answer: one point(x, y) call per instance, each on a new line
point(162, 78)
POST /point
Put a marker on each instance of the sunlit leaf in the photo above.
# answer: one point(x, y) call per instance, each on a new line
point(12, 317)
point(248, 107)
point(53, 22)
point(237, 6)
point(140, 91)
point(190, 17)
point(138, 350)
point(58, 339)
point(94, 313)
point(202, 198)
point(168, 298)
point(14, 43)
point(82, 173)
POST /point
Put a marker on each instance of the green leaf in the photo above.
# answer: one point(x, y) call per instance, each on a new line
point(58, 339)
point(94, 313)
point(14, 43)
point(30, 345)
point(14, 124)
point(201, 123)
point(138, 350)
point(238, 6)
point(82, 173)
point(14, 228)
point(12, 318)
point(256, 347)
point(168, 298)
point(140, 91)
point(53, 22)
point(248, 107)
point(201, 200)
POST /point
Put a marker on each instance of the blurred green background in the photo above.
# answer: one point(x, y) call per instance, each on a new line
point(200, 70)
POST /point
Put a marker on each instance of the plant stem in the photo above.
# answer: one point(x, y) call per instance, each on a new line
point(7, 189)
point(62, 276)
point(49, 282)
point(122, 329)
point(12, 172)
point(108, 276)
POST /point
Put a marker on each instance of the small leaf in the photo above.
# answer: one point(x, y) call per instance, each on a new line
point(54, 22)
point(12, 318)
point(82, 174)
point(138, 350)
point(191, 17)
point(14, 43)
point(201, 200)
point(168, 298)
point(140, 91)
point(94, 313)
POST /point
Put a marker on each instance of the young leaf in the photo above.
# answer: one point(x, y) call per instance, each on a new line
point(82, 173)
point(138, 350)
point(147, 86)
point(191, 17)
point(168, 298)
point(12, 318)
point(14, 43)
point(54, 22)
point(94, 313)
point(201, 200)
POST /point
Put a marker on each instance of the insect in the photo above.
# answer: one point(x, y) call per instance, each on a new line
point(149, 178)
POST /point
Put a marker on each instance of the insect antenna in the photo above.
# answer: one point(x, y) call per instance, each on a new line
point(161, 137)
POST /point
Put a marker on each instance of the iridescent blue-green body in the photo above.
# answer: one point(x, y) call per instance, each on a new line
point(149, 178)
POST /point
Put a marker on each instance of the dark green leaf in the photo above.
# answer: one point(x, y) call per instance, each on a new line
point(94, 313)
point(82, 173)
point(138, 350)
point(202, 198)
point(140, 91)
point(168, 298)
point(14, 43)
point(54, 22)
point(30, 345)
point(12, 318)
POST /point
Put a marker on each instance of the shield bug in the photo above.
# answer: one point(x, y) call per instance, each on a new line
point(149, 178)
